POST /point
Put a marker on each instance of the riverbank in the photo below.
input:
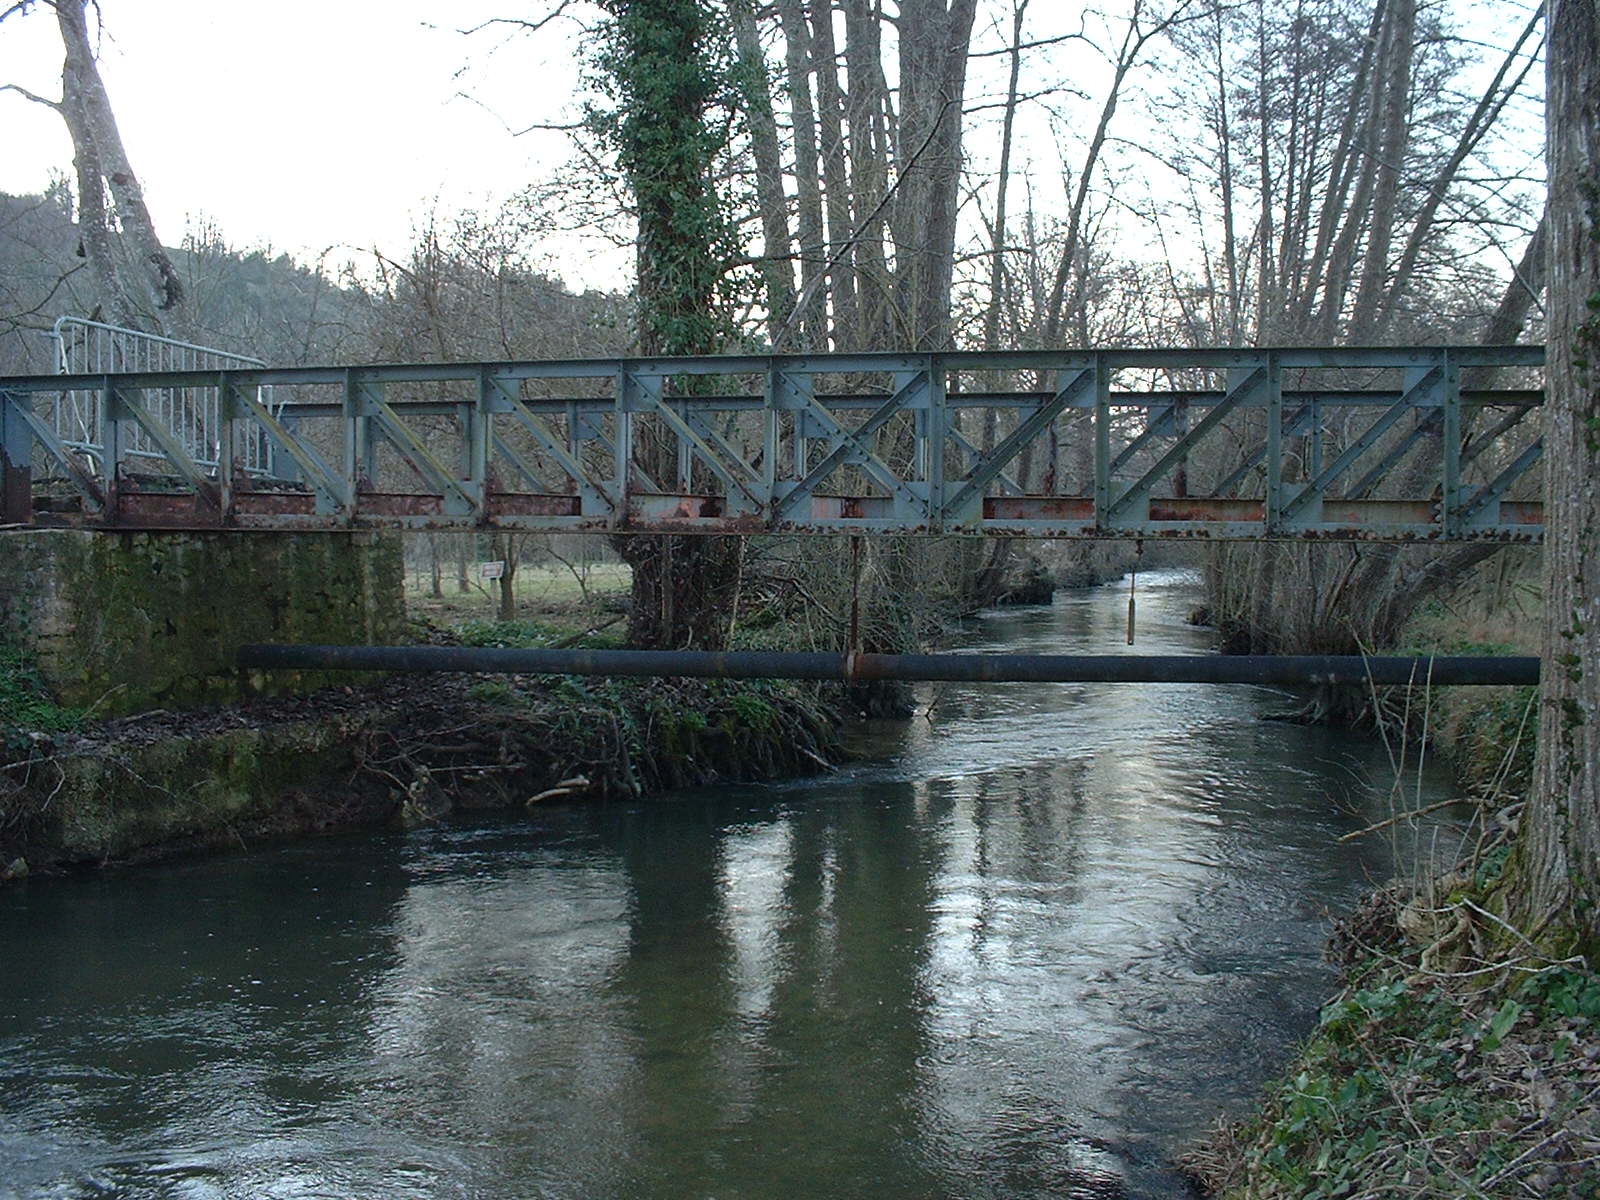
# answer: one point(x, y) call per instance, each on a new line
point(399, 750)
point(1456, 1061)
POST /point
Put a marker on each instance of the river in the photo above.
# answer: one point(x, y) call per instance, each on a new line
point(1030, 945)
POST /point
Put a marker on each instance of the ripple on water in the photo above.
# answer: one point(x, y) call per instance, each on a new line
point(1029, 950)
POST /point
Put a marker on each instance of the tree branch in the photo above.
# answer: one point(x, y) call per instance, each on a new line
point(24, 92)
point(518, 23)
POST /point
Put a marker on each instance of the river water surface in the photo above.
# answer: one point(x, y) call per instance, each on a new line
point(1031, 946)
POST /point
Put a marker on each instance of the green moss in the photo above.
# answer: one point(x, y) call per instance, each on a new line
point(125, 622)
point(26, 706)
point(1324, 1127)
point(111, 805)
point(1489, 736)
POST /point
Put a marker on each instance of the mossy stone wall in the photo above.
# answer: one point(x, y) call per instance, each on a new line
point(125, 622)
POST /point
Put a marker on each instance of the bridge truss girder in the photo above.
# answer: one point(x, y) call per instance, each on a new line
point(1284, 443)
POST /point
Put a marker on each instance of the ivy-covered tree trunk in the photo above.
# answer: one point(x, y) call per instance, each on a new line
point(666, 66)
point(1560, 867)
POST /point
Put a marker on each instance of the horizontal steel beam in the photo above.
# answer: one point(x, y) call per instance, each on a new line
point(1154, 359)
point(1170, 517)
point(966, 668)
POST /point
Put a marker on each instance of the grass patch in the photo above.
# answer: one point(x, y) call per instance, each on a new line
point(551, 592)
point(519, 634)
point(26, 707)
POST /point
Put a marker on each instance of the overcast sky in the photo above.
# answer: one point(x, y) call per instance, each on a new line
point(303, 125)
point(340, 125)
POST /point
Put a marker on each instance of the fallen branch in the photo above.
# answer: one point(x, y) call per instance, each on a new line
point(575, 786)
point(1398, 817)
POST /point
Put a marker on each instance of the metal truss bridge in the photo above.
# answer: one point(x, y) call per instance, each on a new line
point(1410, 444)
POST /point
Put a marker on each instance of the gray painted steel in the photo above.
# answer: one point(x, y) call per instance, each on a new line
point(1274, 443)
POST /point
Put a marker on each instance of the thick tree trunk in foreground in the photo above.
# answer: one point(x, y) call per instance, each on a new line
point(1560, 884)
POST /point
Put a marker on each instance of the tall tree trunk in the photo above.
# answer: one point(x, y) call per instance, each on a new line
point(997, 262)
point(1495, 98)
point(1266, 311)
point(835, 179)
point(1134, 40)
point(1394, 133)
point(93, 127)
point(507, 548)
point(1560, 865)
point(1230, 244)
point(934, 41)
point(777, 272)
point(808, 183)
point(866, 105)
point(1335, 241)
point(94, 219)
point(1364, 167)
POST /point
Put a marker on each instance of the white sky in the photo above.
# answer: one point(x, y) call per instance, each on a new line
point(298, 124)
point(338, 125)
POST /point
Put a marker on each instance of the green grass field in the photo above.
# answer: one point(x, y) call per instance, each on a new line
point(551, 591)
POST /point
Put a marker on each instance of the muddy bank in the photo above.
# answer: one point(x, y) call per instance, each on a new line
point(399, 750)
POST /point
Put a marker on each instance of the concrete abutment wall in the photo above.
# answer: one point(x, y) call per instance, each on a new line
point(125, 622)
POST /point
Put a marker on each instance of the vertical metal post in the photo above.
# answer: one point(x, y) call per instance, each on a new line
point(1180, 429)
point(1314, 442)
point(1272, 388)
point(940, 422)
point(16, 461)
point(227, 446)
point(769, 439)
point(478, 419)
point(369, 434)
point(111, 422)
point(1450, 399)
point(802, 451)
point(685, 454)
point(1102, 444)
point(622, 447)
point(352, 436)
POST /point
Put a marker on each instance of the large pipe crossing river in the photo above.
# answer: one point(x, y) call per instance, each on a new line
point(1031, 945)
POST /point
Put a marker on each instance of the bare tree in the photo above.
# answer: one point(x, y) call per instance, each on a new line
point(777, 270)
point(134, 274)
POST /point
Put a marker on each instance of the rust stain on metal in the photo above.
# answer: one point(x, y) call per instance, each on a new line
point(1206, 508)
point(532, 504)
point(1038, 508)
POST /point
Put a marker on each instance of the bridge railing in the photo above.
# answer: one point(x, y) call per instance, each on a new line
point(1398, 444)
point(85, 347)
